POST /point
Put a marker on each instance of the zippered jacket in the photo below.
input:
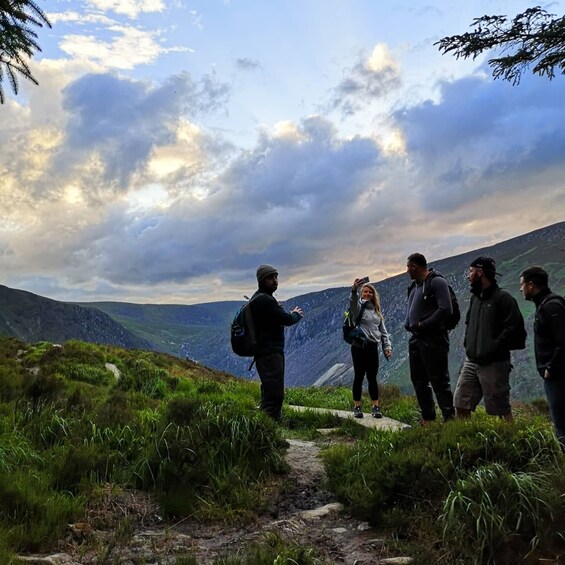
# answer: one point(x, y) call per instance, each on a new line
point(270, 318)
point(492, 320)
point(549, 331)
point(371, 323)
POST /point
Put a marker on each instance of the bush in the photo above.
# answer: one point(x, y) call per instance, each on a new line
point(398, 469)
point(144, 376)
point(31, 514)
point(89, 374)
point(216, 458)
point(491, 506)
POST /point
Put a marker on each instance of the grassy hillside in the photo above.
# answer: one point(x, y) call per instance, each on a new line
point(315, 347)
point(82, 424)
point(30, 317)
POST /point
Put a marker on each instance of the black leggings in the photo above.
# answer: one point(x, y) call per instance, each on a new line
point(365, 362)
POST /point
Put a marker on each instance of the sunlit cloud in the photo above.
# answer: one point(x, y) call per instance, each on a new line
point(128, 48)
point(372, 77)
point(130, 8)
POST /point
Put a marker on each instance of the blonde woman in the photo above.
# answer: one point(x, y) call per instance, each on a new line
point(366, 355)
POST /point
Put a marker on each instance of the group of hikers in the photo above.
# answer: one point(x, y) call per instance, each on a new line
point(494, 326)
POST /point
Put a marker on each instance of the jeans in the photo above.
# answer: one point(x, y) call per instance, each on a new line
point(429, 371)
point(271, 373)
point(555, 392)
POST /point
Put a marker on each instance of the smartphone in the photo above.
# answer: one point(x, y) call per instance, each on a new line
point(363, 280)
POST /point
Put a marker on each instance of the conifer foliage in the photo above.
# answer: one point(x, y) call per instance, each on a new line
point(18, 40)
point(533, 38)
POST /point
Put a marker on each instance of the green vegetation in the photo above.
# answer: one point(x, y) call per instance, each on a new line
point(393, 403)
point(191, 437)
point(74, 436)
point(480, 486)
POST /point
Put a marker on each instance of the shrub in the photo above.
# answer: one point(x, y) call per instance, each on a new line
point(491, 506)
point(11, 380)
point(89, 374)
point(399, 469)
point(216, 458)
point(32, 515)
point(144, 376)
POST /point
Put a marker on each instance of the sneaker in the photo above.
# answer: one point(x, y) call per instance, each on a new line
point(376, 412)
point(357, 412)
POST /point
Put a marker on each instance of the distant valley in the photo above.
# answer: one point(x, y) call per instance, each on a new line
point(315, 351)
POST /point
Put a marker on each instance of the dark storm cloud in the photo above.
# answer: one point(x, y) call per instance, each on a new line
point(484, 136)
point(288, 199)
point(121, 120)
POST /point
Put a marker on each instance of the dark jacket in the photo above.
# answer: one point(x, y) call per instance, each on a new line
point(549, 334)
point(492, 321)
point(429, 304)
point(269, 319)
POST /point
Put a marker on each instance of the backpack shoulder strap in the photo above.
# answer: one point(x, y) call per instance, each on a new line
point(360, 315)
point(553, 298)
point(428, 281)
point(550, 298)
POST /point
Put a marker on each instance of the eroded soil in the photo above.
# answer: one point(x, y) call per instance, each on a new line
point(127, 529)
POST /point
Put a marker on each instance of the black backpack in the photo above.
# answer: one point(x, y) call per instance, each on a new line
point(451, 321)
point(243, 338)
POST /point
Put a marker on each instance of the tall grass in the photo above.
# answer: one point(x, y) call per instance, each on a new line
point(493, 479)
point(71, 428)
point(492, 506)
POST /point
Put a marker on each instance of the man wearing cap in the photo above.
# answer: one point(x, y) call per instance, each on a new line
point(549, 342)
point(270, 318)
point(494, 326)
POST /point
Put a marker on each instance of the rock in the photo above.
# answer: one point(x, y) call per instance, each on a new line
point(397, 560)
point(377, 542)
point(113, 369)
point(363, 526)
point(55, 559)
point(322, 511)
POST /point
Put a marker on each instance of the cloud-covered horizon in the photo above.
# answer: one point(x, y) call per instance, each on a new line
point(120, 186)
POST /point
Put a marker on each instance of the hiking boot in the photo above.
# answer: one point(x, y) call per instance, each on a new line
point(357, 412)
point(376, 412)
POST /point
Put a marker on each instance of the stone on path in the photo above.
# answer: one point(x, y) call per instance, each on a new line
point(322, 511)
point(368, 421)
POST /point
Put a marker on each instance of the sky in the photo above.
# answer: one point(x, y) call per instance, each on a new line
point(173, 146)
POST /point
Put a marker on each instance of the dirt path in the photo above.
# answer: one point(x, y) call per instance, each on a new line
point(303, 511)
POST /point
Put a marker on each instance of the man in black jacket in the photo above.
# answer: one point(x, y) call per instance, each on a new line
point(269, 319)
point(429, 305)
point(494, 326)
point(549, 342)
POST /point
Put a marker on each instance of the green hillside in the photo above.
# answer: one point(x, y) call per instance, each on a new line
point(315, 349)
point(87, 430)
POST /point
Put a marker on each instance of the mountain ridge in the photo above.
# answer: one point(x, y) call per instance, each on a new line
point(315, 351)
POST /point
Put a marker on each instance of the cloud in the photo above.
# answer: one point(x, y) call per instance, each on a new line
point(247, 64)
point(485, 136)
point(372, 77)
point(127, 48)
point(130, 8)
point(301, 191)
point(280, 200)
point(115, 123)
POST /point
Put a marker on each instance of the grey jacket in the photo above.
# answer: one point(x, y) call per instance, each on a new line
point(371, 323)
